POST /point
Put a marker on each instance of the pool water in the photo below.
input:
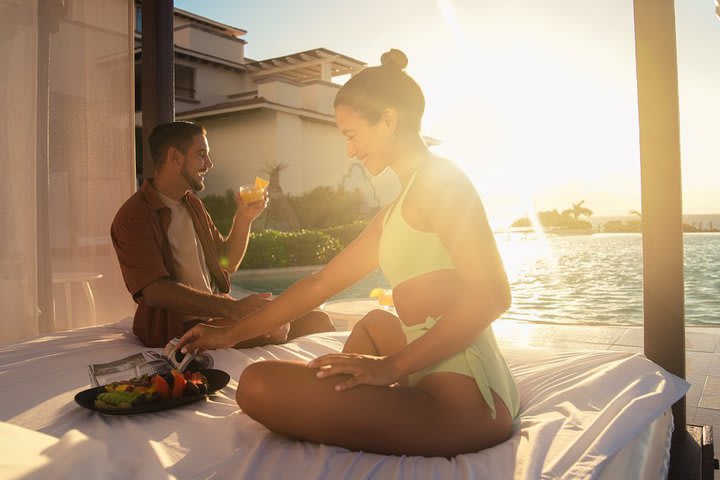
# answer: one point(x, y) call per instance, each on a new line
point(574, 279)
point(278, 281)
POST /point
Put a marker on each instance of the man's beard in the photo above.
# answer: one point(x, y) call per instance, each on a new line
point(195, 184)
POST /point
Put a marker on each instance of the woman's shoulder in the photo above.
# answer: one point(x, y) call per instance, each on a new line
point(440, 173)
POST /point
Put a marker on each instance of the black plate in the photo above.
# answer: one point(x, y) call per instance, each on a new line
point(217, 379)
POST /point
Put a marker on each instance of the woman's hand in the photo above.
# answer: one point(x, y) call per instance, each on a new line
point(203, 337)
point(363, 369)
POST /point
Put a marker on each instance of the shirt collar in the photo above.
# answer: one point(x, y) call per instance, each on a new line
point(152, 196)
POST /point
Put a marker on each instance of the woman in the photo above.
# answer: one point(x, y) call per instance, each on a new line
point(430, 381)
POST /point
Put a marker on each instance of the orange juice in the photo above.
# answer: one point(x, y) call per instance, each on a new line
point(386, 300)
point(384, 297)
point(249, 194)
point(253, 193)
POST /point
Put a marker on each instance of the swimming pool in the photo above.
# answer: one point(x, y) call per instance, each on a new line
point(276, 280)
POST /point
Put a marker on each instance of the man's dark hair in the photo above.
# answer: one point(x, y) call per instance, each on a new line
point(174, 134)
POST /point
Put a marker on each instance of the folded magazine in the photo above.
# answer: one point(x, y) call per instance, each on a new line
point(148, 363)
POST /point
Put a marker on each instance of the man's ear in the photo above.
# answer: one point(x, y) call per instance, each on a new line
point(390, 117)
point(174, 155)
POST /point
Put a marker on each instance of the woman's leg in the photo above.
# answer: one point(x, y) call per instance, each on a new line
point(377, 333)
point(444, 415)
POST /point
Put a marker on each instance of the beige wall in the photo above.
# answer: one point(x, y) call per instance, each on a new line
point(315, 96)
point(192, 37)
point(322, 155)
point(281, 92)
point(242, 144)
point(213, 85)
point(319, 97)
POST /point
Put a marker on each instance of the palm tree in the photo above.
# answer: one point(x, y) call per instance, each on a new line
point(578, 210)
point(280, 214)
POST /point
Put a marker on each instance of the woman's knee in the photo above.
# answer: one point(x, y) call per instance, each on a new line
point(375, 320)
point(254, 388)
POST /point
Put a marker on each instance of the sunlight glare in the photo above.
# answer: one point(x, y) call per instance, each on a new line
point(517, 334)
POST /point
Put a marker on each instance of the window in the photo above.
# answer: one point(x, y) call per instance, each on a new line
point(138, 19)
point(138, 86)
point(184, 81)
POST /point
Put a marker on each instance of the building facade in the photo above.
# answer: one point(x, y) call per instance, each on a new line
point(262, 114)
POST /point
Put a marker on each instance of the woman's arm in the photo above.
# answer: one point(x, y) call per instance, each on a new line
point(354, 262)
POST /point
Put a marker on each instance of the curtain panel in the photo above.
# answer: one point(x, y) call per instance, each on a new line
point(67, 152)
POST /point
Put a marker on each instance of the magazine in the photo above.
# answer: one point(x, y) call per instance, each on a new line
point(148, 362)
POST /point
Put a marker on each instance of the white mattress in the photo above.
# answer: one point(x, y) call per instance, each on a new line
point(583, 415)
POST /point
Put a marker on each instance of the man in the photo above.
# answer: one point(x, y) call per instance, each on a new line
point(174, 260)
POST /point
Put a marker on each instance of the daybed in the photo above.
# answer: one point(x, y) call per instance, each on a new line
point(583, 415)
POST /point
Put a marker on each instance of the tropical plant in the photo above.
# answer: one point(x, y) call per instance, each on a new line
point(577, 210)
point(569, 219)
point(521, 222)
point(280, 214)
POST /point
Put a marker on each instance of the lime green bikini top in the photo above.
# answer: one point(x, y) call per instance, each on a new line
point(406, 252)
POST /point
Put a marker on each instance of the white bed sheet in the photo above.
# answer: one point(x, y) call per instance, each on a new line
point(578, 409)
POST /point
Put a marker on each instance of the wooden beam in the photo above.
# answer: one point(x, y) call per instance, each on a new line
point(662, 237)
point(158, 75)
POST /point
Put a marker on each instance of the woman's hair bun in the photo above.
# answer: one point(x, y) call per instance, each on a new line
point(394, 58)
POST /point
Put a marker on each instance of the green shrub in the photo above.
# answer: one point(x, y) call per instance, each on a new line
point(311, 247)
point(221, 209)
point(346, 233)
point(265, 250)
point(273, 249)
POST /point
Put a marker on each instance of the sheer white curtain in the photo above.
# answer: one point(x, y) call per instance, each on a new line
point(67, 154)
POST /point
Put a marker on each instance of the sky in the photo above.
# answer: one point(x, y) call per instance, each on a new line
point(536, 101)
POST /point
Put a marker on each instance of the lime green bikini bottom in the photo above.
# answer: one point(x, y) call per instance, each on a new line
point(481, 360)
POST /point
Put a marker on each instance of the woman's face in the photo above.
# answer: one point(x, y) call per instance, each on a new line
point(371, 143)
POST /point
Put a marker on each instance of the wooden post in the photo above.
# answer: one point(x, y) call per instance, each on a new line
point(663, 288)
point(157, 68)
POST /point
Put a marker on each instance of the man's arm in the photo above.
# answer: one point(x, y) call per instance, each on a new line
point(177, 297)
point(236, 243)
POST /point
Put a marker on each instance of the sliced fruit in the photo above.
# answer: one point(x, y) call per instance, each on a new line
point(199, 380)
point(260, 183)
point(376, 292)
point(119, 399)
point(386, 299)
point(191, 389)
point(178, 388)
point(160, 385)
